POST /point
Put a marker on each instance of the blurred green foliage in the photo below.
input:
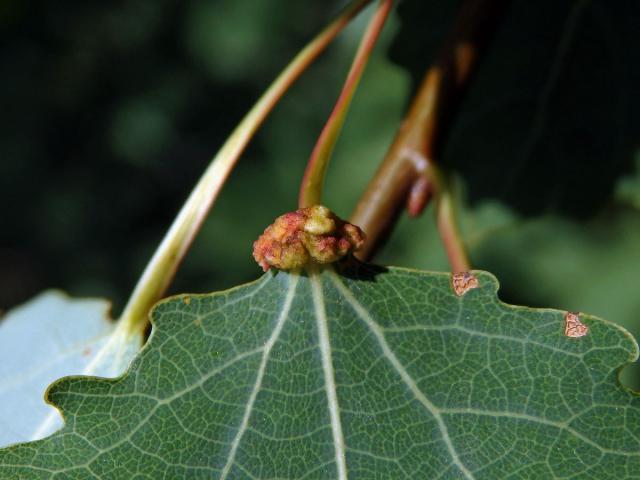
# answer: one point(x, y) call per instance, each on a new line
point(110, 112)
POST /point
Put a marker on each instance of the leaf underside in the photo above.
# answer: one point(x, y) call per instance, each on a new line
point(49, 337)
point(367, 373)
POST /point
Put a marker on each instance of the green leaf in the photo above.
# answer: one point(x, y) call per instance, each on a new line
point(371, 373)
point(47, 338)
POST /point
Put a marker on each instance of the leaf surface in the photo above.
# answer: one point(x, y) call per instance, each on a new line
point(369, 373)
point(47, 338)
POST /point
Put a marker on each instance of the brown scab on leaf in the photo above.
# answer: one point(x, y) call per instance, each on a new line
point(463, 282)
point(573, 327)
point(312, 234)
point(186, 300)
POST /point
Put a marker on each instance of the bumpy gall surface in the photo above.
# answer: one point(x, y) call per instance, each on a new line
point(312, 234)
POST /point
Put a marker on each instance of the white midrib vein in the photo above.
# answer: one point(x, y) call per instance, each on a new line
point(282, 318)
point(329, 375)
point(404, 375)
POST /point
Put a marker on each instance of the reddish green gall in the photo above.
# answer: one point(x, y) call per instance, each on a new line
point(308, 235)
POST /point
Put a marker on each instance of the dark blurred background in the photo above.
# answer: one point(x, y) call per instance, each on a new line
point(110, 111)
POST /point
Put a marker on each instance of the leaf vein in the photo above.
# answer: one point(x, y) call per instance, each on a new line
point(282, 318)
point(329, 375)
point(404, 375)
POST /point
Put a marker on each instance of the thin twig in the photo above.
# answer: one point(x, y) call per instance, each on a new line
point(408, 176)
point(313, 180)
point(161, 268)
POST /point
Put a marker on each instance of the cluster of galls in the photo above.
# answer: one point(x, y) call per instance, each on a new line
point(312, 234)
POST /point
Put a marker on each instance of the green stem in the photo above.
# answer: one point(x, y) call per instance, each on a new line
point(164, 263)
point(313, 180)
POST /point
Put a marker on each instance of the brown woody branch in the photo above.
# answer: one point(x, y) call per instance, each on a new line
point(408, 176)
